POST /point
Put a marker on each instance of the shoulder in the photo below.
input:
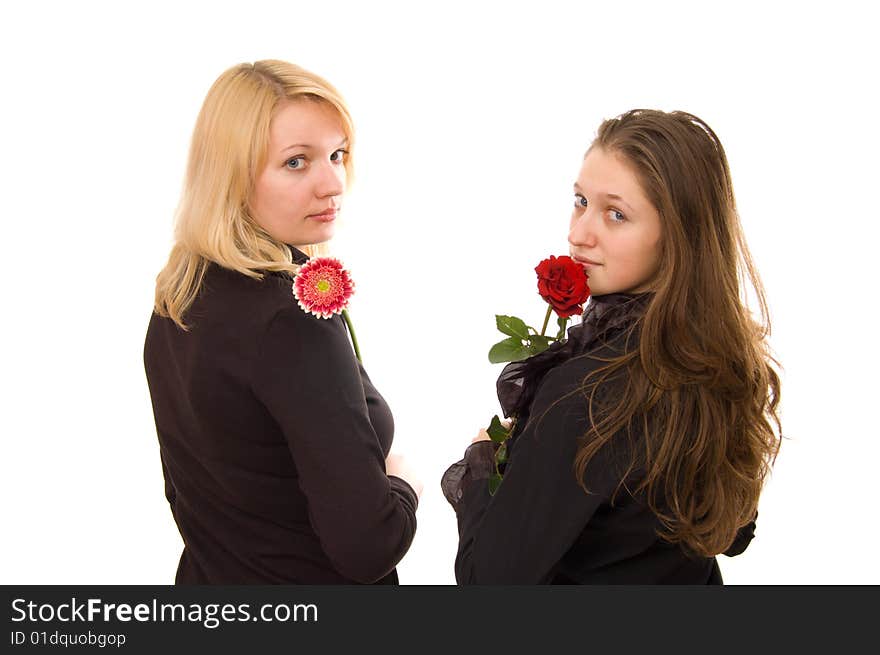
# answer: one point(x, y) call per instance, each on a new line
point(232, 297)
point(571, 399)
point(574, 372)
point(573, 392)
point(291, 342)
point(285, 326)
point(267, 300)
point(259, 313)
point(268, 289)
point(288, 318)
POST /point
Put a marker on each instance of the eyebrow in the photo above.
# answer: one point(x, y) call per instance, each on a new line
point(612, 196)
point(307, 146)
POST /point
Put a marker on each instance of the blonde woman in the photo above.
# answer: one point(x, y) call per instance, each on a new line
point(273, 441)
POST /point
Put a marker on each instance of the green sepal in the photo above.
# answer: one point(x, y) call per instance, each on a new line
point(562, 323)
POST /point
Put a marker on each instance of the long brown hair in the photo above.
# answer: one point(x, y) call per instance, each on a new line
point(701, 385)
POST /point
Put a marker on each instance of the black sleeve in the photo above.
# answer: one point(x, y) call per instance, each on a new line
point(308, 378)
point(170, 491)
point(519, 535)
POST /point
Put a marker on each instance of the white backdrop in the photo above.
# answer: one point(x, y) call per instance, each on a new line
point(471, 120)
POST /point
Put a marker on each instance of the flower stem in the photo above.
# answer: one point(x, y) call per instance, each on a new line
point(354, 340)
point(546, 319)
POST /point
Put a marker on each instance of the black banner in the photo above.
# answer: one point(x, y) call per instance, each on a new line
point(413, 619)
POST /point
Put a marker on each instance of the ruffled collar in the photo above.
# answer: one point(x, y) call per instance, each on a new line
point(519, 381)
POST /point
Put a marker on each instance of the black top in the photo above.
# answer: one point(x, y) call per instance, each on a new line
point(541, 526)
point(273, 442)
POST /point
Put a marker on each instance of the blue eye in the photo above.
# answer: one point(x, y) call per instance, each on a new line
point(579, 200)
point(339, 155)
point(616, 216)
point(294, 163)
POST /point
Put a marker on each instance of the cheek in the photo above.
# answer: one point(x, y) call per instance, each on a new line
point(638, 253)
point(277, 197)
point(650, 257)
point(262, 196)
point(652, 248)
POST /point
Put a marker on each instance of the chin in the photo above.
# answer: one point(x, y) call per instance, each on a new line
point(322, 236)
point(596, 289)
point(604, 291)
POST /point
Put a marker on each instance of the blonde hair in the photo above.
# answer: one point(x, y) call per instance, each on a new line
point(228, 149)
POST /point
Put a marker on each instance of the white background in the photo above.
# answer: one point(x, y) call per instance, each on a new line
point(472, 120)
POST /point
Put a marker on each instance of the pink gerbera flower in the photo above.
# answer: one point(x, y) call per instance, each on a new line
point(322, 287)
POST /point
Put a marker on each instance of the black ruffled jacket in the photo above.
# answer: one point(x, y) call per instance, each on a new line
point(541, 526)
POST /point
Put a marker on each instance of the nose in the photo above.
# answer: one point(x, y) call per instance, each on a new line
point(582, 232)
point(330, 180)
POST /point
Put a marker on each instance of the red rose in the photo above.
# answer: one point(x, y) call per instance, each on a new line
point(562, 282)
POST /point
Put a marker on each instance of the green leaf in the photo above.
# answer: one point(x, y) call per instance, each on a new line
point(512, 326)
point(497, 432)
point(501, 454)
point(494, 483)
point(509, 350)
point(538, 344)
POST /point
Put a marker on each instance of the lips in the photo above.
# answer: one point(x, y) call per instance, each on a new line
point(585, 261)
point(326, 215)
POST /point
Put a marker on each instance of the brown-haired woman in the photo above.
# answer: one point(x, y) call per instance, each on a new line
point(641, 442)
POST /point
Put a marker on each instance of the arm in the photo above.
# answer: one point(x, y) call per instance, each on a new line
point(519, 535)
point(308, 379)
point(170, 491)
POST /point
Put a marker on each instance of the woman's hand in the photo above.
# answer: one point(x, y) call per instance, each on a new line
point(400, 467)
point(482, 435)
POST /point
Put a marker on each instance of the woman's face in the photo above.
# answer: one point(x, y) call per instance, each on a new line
point(615, 231)
point(299, 191)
